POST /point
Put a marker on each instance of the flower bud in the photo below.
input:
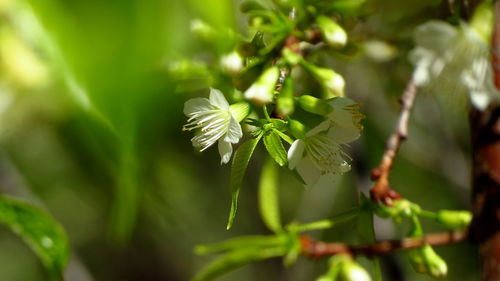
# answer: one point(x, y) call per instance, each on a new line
point(284, 103)
point(352, 271)
point(425, 260)
point(231, 63)
point(314, 105)
point(239, 110)
point(332, 83)
point(333, 34)
point(481, 21)
point(454, 219)
point(261, 91)
point(202, 29)
point(297, 129)
point(400, 208)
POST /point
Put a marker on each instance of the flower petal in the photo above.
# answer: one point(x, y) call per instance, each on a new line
point(341, 134)
point(323, 126)
point(197, 104)
point(438, 36)
point(340, 113)
point(225, 151)
point(295, 153)
point(308, 171)
point(234, 132)
point(218, 99)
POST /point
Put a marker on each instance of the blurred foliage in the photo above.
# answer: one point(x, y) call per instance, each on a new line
point(91, 98)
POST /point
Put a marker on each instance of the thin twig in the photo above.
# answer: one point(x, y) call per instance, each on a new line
point(317, 249)
point(381, 190)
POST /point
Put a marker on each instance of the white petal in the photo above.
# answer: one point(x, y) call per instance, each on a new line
point(197, 104)
point(438, 36)
point(341, 134)
point(218, 99)
point(225, 151)
point(295, 153)
point(234, 132)
point(308, 171)
point(323, 126)
point(339, 114)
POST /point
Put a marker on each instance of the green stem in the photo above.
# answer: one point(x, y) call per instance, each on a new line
point(427, 214)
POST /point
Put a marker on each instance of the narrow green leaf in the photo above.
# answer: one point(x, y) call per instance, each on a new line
point(322, 224)
point(286, 138)
point(244, 242)
point(275, 148)
point(40, 231)
point(239, 166)
point(268, 196)
point(235, 260)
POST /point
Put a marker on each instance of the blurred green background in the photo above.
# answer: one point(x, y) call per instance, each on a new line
point(90, 129)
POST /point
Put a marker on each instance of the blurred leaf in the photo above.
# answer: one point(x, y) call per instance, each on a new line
point(255, 241)
point(268, 196)
point(240, 162)
point(235, 260)
point(322, 224)
point(40, 231)
point(275, 148)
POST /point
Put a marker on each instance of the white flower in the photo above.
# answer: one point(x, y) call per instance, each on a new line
point(320, 152)
point(215, 121)
point(453, 61)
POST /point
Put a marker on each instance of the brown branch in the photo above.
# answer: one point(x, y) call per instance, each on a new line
point(317, 249)
point(381, 190)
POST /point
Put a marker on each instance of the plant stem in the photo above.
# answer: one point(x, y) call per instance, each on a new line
point(381, 190)
point(318, 249)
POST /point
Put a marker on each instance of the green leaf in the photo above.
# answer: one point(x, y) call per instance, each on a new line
point(235, 260)
point(244, 242)
point(268, 196)
point(275, 148)
point(239, 166)
point(286, 138)
point(322, 224)
point(40, 231)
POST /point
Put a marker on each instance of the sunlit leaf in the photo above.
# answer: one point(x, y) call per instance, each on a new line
point(235, 260)
point(244, 242)
point(268, 196)
point(275, 148)
point(240, 162)
point(40, 231)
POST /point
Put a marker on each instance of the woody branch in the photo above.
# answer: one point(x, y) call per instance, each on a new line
point(317, 249)
point(381, 191)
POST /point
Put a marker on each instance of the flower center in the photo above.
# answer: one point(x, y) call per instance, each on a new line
point(213, 124)
point(326, 155)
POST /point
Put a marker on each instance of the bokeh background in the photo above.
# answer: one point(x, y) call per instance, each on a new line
point(91, 99)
